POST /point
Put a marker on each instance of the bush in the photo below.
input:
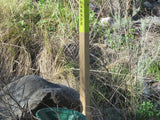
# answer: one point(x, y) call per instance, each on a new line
point(147, 110)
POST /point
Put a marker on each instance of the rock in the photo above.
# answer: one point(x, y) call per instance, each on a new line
point(93, 7)
point(156, 9)
point(149, 8)
point(155, 90)
point(148, 5)
point(151, 89)
point(30, 93)
point(108, 21)
point(114, 114)
point(97, 11)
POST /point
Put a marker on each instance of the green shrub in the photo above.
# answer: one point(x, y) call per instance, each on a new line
point(154, 70)
point(147, 110)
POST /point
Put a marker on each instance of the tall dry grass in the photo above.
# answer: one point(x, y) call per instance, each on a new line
point(42, 38)
point(33, 37)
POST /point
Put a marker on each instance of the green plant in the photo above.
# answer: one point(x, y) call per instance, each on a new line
point(92, 16)
point(154, 70)
point(147, 110)
point(109, 38)
point(128, 39)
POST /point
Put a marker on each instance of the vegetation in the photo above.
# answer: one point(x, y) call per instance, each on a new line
point(41, 37)
point(146, 111)
point(33, 37)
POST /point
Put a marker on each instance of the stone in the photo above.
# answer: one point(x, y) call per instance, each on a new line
point(149, 8)
point(114, 114)
point(148, 5)
point(93, 7)
point(156, 10)
point(151, 89)
point(29, 93)
point(108, 21)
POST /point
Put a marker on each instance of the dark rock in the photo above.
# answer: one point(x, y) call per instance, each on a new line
point(148, 5)
point(149, 8)
point(114, 114)
point(156, 9)
point(151, 89)
point(93, 7)
point(30, 93)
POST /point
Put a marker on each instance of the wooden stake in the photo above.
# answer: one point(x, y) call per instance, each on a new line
point(84, 56)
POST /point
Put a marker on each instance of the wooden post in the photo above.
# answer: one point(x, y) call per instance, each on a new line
point(84, 56)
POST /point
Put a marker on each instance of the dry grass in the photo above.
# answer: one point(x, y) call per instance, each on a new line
point(42, 38)
point(33, 37)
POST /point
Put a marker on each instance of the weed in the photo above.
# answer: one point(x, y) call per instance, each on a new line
point(154, 71)
point(33, 36)
point(147, 110)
